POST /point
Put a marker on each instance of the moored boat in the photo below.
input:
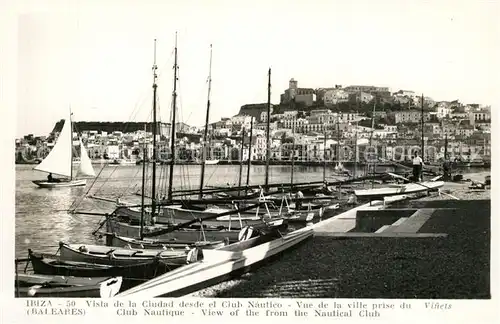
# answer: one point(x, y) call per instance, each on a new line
point(122, 256)
point(184, 234)
point(35, 285)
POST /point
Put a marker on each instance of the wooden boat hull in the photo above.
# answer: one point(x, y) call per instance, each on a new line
point(55, 266)
point(62, 184)
point(171, 214)
point(120, 241)
point(192, 235)
point(121, 256)
point(405, 189)
point(216, 266)
point(66, 287)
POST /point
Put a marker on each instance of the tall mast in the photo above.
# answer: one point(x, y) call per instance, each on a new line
point(143, 193)
point(422, 117)
point(268, 150)
point(241, 159)
point(324, 156)
point(153, 182)
point(71, 142)
point(249, 162)
point(172, 137)
point(205, 133)
point(293, 148)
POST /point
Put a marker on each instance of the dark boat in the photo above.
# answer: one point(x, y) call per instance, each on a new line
point(35, 285)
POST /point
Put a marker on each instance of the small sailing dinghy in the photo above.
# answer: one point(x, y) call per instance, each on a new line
point(124, 256)
point(60, 162)
point(34, 285)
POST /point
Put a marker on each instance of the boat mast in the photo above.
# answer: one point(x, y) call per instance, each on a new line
point(143, 193)
point(293, 149)
point(249, 162)
point(338, 136)
point(205, 133)
point(172, 139)
point(268, 150)
point(153, 182)
point(241, 159)
point(422, 117)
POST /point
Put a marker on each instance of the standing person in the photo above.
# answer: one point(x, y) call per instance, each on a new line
point(417, 167)
point(446, 170)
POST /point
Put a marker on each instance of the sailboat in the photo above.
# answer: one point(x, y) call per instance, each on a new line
point(60, 162)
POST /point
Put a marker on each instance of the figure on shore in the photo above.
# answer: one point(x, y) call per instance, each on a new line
point(417, 167)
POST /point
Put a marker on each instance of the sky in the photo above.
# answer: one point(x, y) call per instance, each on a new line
point(95, 57)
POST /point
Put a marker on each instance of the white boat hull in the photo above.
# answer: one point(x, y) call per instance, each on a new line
point(215, 267)
point(211, 162)
point(62, 184)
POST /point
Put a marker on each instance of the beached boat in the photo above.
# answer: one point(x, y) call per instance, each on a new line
point(123, 256)
point(403, 189)
point(121, 241)
point(218, 265)
point(35, 285)
point(185, 234)
point(132, 274)
point(60, 162)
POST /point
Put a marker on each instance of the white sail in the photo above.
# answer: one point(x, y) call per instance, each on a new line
point(59, 159)
point(86, 168)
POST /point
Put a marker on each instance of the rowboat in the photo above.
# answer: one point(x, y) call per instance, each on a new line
point(121, 241)
point(408, 188)
point(34, 285)
point(121, 256)
point(217, 265)
point(186, 234)
point(177, 213)
point(131, 274)
point(61, 184)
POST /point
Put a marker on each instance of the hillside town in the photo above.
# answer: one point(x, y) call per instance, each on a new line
point(311, 125)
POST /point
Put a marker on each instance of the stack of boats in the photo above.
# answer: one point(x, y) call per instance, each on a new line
point(174, 246)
